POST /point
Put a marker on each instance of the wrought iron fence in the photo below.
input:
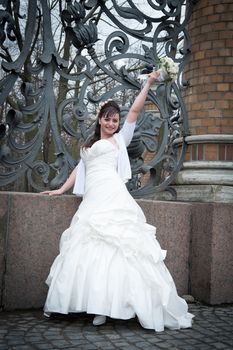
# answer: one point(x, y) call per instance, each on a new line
point(61, 58)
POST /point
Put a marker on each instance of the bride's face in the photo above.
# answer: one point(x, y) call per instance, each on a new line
point(109, 125)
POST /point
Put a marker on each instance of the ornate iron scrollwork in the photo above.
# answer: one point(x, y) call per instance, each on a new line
point(51, 83)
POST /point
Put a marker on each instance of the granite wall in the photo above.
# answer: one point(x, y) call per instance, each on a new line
point(198, 238)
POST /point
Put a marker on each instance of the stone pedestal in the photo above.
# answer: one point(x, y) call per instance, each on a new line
point(207, 177)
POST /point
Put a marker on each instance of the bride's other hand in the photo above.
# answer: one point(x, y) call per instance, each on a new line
point(65, 187)
point(53, 192)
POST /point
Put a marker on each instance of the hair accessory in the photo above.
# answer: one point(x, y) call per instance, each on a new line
point(101, 105)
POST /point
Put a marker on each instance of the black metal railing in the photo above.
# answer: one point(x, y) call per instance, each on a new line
point(60, 59)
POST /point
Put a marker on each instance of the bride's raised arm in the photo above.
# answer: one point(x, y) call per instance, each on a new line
point(127, 130)
point(141, 98)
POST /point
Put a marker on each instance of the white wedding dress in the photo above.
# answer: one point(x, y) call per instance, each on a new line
point(110, 262)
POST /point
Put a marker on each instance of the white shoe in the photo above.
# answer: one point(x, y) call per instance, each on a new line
point(47, 314)
point(99, 320)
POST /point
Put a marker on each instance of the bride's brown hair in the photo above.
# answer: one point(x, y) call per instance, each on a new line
point(108, 109)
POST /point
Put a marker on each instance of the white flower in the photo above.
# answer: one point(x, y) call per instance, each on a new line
point(101, 105)
point(169, 68)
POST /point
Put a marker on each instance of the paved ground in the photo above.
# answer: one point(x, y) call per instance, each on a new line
point(26, 330)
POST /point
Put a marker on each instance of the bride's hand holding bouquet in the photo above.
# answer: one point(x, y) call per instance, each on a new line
point(166, 71)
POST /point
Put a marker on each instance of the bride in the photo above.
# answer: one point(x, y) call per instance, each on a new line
point(110, 263)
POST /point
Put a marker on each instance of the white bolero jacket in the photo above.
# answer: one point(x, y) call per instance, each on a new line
point(123, 139)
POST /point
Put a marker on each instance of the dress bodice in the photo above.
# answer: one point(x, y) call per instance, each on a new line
point(102, 155)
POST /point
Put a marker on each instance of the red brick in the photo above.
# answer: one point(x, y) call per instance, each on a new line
point(199, 55)
point(208, 122)
point(229, 43)
point(201, 114)
point(225, 52)
point(223, 87)
point(214, 113)
point(200, 131)
point(213, 36)
point(208, 104)
point(228, 96)
point(191, 25)
point(221, 152)
point(200, 152)
point(215, 95)
point(206, 45)
point(217, 61)
point(212, 53)
point(196, 122)
point(197, 80)
point(194, 152)
point(205, 63)
point(201, 4)
point(195, 48)
point(187, 157)
point(213, 130)
point(227, 130)
point(227, 34)
point(230, 25)
point(216, 78)
point(196, 106)
point(219, 43)
point(226, 16)
point(194, 65)
point(206, 28)
point(196, 31)
point(210, 70)
point(198, 72)
point(228, 114)
point(220, 26)
point(211, 152)
point(229, 60)
point(213, 18)
point(229, 152)
point(224, 69)
point(220, 8)
point(192, 115)
point(207, 11)
point(223, 104)
point(223, 121)
point(201, 21)
point(202, 97)
point(207, 88)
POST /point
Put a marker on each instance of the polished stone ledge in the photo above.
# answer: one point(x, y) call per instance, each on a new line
point(207, 164)
point(197, 236)
point(205, 138)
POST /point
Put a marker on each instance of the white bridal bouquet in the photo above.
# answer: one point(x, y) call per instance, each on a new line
point(168, 70)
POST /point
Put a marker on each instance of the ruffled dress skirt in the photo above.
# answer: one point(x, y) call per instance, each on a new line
point(110, 262)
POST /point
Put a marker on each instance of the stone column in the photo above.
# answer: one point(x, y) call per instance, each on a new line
point(207, 173)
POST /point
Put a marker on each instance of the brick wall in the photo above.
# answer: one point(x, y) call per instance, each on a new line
point(209, 99)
